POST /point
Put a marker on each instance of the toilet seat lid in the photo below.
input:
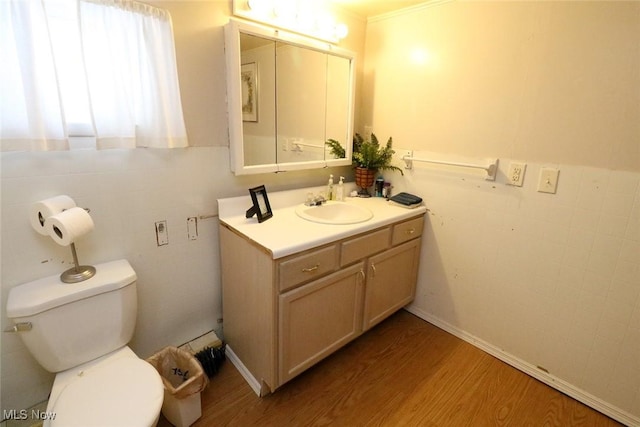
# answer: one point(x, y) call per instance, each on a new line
point(126, 391)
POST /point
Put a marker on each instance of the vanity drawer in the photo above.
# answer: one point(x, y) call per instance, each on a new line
point(307, 266)
point(362, 247)
point(407, 230)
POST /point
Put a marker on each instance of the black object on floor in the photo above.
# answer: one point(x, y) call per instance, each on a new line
point(211, 359)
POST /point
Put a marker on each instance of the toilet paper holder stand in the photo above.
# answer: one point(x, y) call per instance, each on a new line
point(77, 273)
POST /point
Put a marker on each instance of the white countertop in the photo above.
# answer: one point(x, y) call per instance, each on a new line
point(286, 233)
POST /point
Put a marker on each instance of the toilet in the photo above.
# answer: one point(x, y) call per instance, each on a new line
point(80, 332)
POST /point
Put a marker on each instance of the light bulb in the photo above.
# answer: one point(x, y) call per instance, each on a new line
point(342, 30)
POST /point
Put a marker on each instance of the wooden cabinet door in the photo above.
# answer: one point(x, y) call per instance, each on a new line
point(318, 318)
point(391, 282)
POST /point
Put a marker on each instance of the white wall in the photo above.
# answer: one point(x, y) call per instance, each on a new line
point(537, 279)
point(127, 191)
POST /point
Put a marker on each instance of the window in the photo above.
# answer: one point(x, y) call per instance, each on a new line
point(99, 68)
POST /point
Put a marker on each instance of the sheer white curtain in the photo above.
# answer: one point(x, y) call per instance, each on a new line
point(132, 74)
point(31, 116)
point(115, 70)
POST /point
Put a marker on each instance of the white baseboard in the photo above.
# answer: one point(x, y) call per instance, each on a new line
point(552, 381)
point(253, 382)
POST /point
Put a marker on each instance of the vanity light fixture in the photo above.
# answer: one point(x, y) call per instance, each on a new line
point(305, 17)
point(342, 30)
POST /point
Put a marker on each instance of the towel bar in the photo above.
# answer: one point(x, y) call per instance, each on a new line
point(491, 169)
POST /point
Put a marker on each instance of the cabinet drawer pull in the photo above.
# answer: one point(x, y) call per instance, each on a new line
point(311, 269)
point(410, 231)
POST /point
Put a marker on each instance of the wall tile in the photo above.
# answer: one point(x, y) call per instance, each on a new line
point(127, 191)
point(560, 288)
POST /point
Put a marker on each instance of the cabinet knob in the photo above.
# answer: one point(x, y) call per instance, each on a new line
point(410, 231)
point(311, 269)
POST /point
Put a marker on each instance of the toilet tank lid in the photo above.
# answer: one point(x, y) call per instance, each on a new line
point(50, 292)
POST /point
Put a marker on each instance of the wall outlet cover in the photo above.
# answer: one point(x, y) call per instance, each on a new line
point(515, 175)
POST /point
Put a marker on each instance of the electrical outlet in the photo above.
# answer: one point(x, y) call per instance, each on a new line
point(515, 176)
point(162, 235)
point(548, 182)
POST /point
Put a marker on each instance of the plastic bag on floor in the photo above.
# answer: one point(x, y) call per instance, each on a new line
point(181, 372)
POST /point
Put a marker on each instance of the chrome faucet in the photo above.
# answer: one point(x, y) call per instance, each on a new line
point(315, 200)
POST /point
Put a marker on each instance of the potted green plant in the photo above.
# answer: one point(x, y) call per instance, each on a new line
point(368, 158)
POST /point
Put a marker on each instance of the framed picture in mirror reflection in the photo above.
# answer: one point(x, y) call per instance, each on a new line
point(249, 79)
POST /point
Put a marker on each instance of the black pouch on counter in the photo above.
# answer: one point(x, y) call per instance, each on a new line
point(406, 200)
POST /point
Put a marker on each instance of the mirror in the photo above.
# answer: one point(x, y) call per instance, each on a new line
point(286, 96)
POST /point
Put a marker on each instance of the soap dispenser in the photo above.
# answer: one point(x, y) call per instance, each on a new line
point(340, 190)
point(330, 188)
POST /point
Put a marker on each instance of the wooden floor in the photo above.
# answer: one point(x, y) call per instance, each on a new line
point(404, 372)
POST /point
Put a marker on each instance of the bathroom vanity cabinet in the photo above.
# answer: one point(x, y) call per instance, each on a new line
point(283, 315)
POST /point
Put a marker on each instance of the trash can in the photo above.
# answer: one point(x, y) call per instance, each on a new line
point(183, 379)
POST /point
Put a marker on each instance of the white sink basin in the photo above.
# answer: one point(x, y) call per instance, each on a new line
point(334, 213)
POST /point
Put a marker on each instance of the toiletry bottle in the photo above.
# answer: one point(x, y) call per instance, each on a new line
point(386, 190)
point(340, 190)
point(379, 186)
point(330, 188)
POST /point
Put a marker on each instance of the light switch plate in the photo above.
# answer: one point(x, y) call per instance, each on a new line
point(548, 182)
point(162, 235)
point(192, 228)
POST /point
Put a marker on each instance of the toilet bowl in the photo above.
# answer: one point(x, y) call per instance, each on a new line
point(80, 331)
point(118, 389)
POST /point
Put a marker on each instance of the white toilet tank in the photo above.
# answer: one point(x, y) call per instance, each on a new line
point(73, 323)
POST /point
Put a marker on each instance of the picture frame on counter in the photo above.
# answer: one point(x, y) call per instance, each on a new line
point(261, 206)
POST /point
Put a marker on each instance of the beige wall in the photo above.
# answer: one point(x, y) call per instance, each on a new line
point(548, 283)
point(198, 32)
point(542, 81)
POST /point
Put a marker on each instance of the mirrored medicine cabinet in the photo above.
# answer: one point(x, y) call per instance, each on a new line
point(286, 96)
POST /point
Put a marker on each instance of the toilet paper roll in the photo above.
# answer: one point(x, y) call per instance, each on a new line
point(66, 227)
point(43, 209)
